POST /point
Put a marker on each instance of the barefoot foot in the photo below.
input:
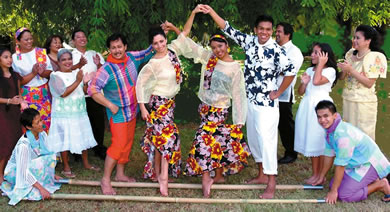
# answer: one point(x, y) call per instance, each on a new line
point(125, 178)
point(262, 179)
point(163, 186)
point(170, 180)
point(219, 180)
point(269, 192)
point(206, 187)
point(385, 189)
point(106, 187)
point(311, 180)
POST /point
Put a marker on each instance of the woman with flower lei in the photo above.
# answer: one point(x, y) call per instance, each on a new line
point(218, 149)
point(35, 68)
point(157, 84)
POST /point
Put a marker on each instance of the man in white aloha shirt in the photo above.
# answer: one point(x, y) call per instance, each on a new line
point(265, 61)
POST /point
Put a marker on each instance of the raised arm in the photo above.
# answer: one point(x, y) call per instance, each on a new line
point(318, 78)
point(218, 20)
point(190, 21)
point(142, 56)
point(168, 26)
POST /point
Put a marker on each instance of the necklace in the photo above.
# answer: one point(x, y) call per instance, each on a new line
point(361, 57)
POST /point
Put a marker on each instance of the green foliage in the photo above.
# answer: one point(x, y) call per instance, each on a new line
point(100, 18)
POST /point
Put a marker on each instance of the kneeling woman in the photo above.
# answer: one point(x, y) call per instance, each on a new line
point(157, 84)
point(218, 148)
point(30, 171)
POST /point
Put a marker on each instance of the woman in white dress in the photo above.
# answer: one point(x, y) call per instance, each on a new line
point(316, 84)
point(70, 127)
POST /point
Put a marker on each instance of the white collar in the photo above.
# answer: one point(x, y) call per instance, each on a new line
point(270, 41)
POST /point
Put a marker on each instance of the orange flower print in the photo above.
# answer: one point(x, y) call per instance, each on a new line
point(216, 151)
point(210, 127)
point(192, 151)
point(236, 132)
point(162, 111)
point(236, 147)
point(215, 109)
point(208, 139)
point(198, 169)
point(204, 110)
point(243, 156)
point(159, 141)
point(169, 104)
point(192, 162)
point(168, 131)
point(176, 156)
point(40, 55)
point(216, 165)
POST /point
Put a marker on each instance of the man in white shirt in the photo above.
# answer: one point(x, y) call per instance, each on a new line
point(284, 35)
point(90, 61)
point(265, 61)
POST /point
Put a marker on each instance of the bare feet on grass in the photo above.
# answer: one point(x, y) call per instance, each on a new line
point(319, 181)
point(269, 191)
point(219, 180)
point(124, 178)
point(312, 179)
point(206, 187)
point(154, 179)
point(260, 179)
point(163, 186)
point(385, 189)
point(106, 187)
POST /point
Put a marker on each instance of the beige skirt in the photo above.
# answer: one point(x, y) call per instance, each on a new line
point(362, 115)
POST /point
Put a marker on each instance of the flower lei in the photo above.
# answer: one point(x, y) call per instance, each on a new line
point(40, 55)
point(176, 65)
point(209, 71)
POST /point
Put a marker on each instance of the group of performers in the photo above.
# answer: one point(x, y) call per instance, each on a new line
point(64, 92)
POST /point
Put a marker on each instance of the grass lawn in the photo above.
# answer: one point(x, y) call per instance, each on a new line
point(288, 174)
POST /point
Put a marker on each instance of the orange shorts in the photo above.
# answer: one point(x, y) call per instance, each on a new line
point(121, 140)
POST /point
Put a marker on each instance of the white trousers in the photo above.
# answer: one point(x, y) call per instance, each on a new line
point(262, 133)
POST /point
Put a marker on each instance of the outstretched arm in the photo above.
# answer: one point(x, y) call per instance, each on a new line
point(218, 20)
point(168, 26)
point(190, 21)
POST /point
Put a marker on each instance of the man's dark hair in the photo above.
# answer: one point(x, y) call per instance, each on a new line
point(264, 18)
point(115, 37)
point(326, 104)
point(287, 28)
point(76, 31)
point(27, 117)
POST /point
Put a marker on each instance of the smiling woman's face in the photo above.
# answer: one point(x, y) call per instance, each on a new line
point(159, 43)
point(26, 42)
point(66, 62)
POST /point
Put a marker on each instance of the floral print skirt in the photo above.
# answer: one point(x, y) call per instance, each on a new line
point(161, 134)
point(216, 144)
point(39, 98)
